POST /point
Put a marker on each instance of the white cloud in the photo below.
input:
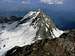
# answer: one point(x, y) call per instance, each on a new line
point(52, 1)
point(25, 1)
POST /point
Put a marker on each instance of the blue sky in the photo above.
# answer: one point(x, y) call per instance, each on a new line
point(63, 11)
point(22, 5)
point(12, 5)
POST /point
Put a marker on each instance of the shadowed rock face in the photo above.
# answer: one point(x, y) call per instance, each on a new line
point(63, 46)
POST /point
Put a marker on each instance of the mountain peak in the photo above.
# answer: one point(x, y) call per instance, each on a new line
point(33, 26)
point(44, 24)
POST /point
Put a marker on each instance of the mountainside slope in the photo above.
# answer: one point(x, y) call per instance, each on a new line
point(33, 26)
point(62, 46)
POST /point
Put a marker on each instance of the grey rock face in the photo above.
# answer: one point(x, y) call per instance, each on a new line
point(44, 25)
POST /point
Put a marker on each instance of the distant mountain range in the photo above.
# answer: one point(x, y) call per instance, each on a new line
point(9, 19)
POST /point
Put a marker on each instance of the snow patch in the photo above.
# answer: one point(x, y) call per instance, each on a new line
point(57, 32)
point(21, 37)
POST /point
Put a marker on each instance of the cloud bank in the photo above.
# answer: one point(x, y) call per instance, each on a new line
point(52, 1)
